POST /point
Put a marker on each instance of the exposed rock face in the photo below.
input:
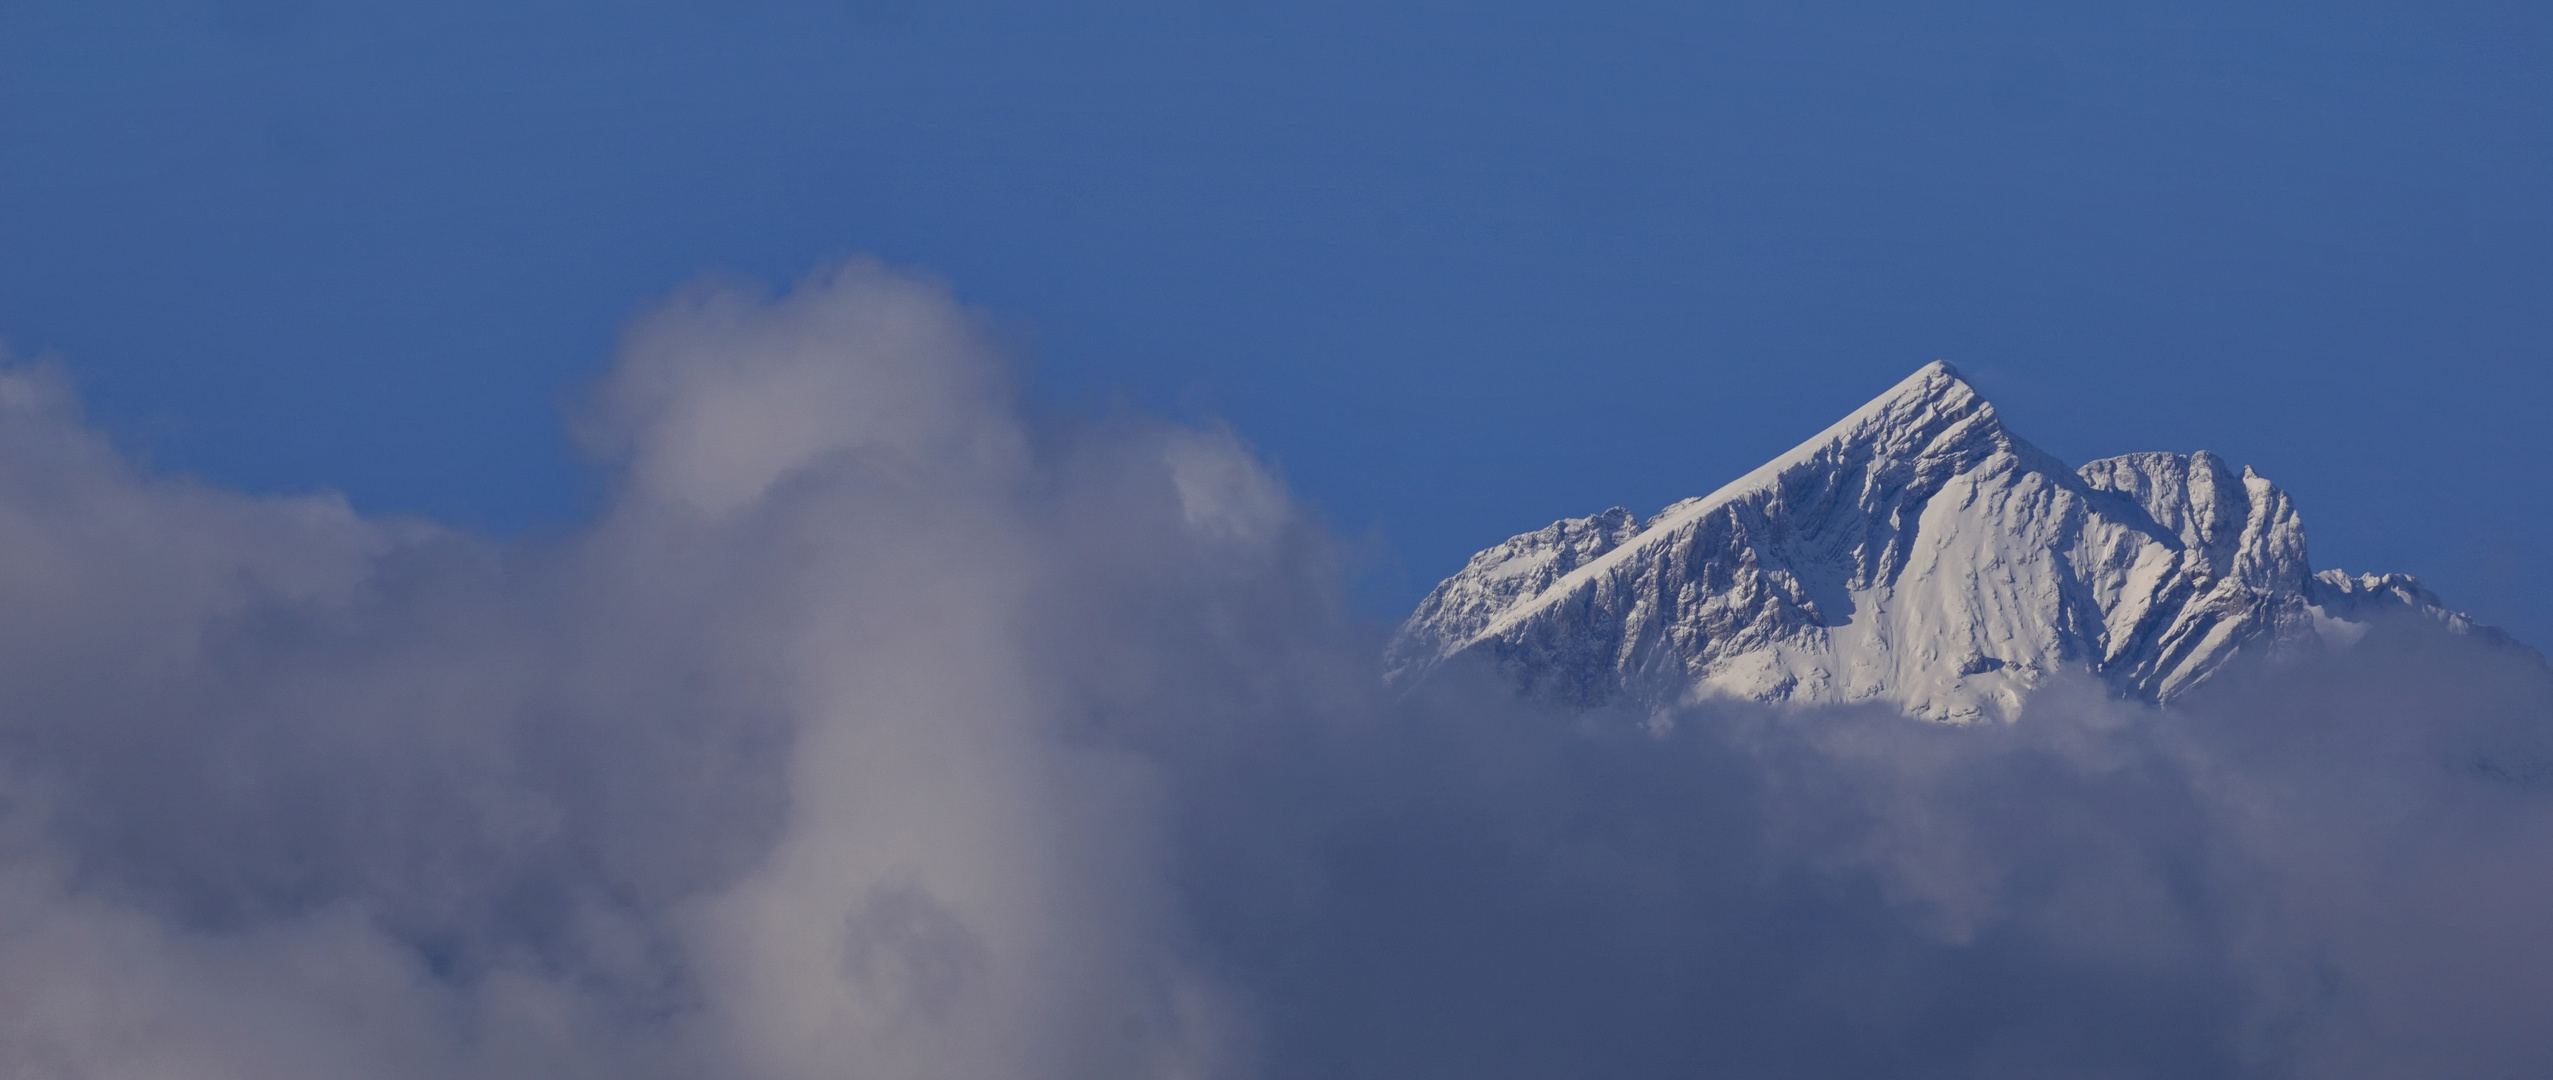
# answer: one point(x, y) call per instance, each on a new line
point(1916, 552)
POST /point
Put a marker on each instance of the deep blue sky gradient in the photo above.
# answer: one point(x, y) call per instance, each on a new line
point(1459, 268)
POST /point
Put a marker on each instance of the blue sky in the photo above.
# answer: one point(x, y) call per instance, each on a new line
point(1457, 269)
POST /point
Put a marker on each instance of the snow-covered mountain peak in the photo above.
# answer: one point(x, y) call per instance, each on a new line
point(1933, 414)
point(1915, 551)
point(1935, 399)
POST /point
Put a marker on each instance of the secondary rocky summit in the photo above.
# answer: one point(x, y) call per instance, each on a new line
point(1917, 553)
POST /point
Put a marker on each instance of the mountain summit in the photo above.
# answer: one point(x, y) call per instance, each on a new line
point(1916, 552)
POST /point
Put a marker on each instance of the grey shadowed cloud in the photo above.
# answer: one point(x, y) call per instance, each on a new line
point(886, 722)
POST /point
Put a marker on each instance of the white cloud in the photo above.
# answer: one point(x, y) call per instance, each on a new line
point(885, 725)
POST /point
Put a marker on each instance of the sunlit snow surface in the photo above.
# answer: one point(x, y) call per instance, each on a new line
point(1916, 552)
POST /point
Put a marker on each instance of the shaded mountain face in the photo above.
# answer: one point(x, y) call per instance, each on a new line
point(1918, 553)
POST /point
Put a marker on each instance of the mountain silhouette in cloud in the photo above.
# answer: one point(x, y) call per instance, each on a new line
point(1916, 552)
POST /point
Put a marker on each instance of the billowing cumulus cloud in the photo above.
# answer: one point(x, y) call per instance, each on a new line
point(886, 723)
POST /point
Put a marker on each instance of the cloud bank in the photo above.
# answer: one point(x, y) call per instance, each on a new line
point(888, 723)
